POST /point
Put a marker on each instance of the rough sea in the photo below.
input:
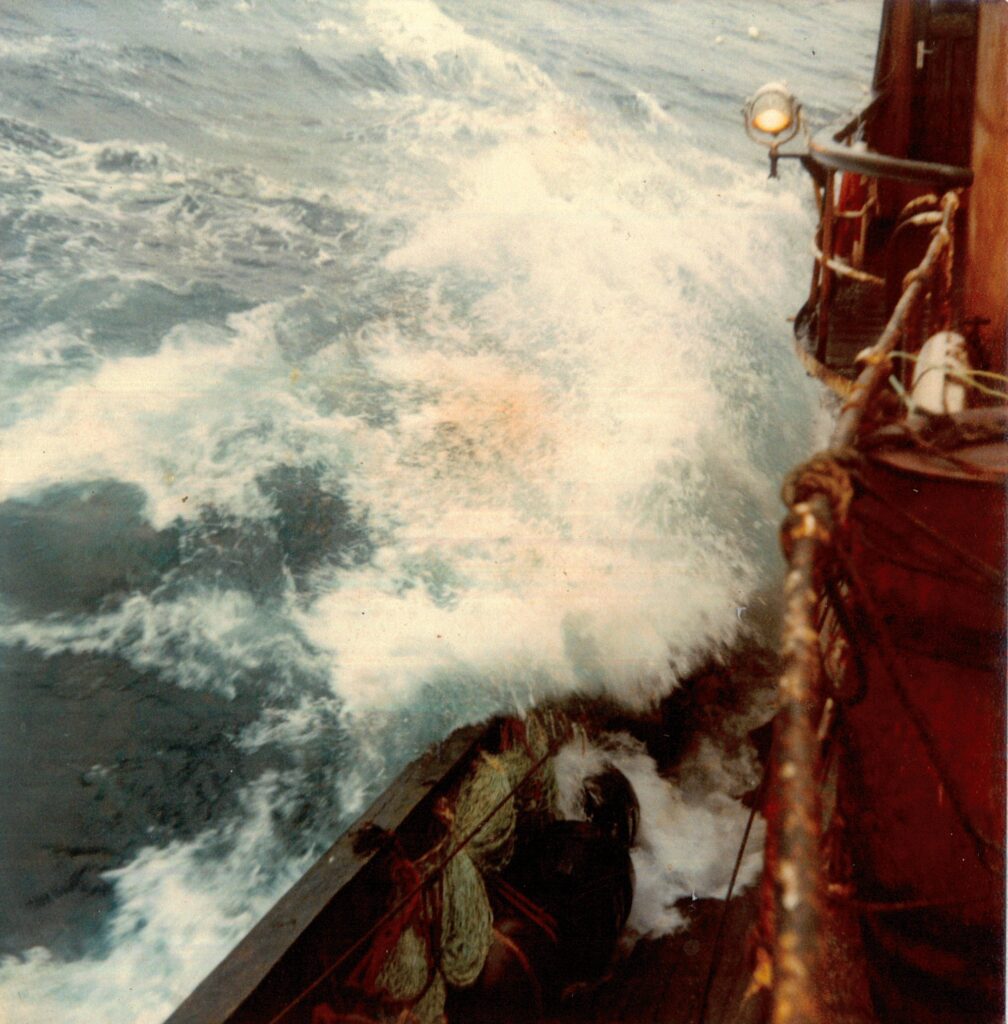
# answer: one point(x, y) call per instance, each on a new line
point(366, 368)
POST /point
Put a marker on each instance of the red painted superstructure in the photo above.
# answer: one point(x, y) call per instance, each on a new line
point(893, 692)
point(922, 776)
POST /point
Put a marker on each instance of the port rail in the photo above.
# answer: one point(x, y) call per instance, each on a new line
point(817, 495)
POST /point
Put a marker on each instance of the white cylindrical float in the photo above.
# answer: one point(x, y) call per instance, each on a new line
point(937, 378)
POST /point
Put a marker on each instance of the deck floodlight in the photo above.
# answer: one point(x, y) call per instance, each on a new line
point(772, 114)
point(772, 117)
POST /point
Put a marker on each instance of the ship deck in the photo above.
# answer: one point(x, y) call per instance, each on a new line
point(662, 981)
point(278, 966)
point(857, 318)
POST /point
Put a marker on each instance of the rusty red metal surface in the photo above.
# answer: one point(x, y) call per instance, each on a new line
point(922, 785)
point(896, 587)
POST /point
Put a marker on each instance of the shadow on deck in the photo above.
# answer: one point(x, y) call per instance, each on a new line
point(662, 980)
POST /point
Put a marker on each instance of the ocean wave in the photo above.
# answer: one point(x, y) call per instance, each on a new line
point(434, 357)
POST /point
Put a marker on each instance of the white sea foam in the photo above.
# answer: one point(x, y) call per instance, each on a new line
point(568, 476)
point(178, 909)
point(205, 639)
point(419, 30)
point(688, 838)
point(561, 476)
point(658, 116)
point(553, 408)
point(192, 425)
point(34, 46)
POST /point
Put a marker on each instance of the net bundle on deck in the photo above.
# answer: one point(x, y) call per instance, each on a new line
point(444, 934)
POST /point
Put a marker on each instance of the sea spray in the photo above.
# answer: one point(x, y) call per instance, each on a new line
point(497, 292)
point(687, 842)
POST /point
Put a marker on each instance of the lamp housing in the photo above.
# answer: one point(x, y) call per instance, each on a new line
point(772, 115)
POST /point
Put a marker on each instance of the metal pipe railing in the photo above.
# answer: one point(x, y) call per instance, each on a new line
point(830, 148)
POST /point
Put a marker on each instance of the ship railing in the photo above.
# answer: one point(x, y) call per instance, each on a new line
point(832, 147)
point(818, 495)
point(840, 148)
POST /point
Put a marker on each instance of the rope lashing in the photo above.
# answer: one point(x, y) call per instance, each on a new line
point(429, 1008)
point(870, 357)
point(836, 382)
point(923, 272)
point(915, 204)
point(488, 785)
point(406, 972)
point(526, 740)
point(391, 938)
point(466, 923)
point(400, 966)
point(405, 905)
point(844, 269)
point(845, 620)
point(457, 901)
point(822, 476)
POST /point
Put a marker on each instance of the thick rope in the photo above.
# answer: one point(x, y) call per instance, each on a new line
point(406, 972)
point(824, 475)
point(844, 269)
point(840, 385)
point(488, 785)
point(393, 933)
point(429, 1008)
point(406, 900)
point(467, 923)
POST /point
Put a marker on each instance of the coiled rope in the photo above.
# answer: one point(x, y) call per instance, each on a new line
point(405, 906)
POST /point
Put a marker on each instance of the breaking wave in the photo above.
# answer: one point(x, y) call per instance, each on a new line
point(367, 369)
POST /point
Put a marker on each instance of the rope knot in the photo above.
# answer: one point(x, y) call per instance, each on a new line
point(823, 475)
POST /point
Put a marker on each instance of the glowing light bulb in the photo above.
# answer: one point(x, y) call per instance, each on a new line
point(772, 109)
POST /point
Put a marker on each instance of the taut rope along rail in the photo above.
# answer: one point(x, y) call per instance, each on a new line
point(877, 358)
point(818, 495)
